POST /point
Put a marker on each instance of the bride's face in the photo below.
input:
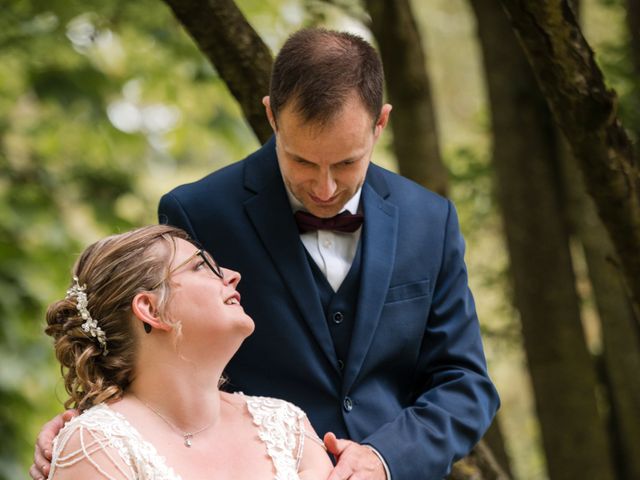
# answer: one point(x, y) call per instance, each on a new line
point(205, 301)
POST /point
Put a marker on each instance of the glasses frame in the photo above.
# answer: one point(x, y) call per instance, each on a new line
point(206, 257)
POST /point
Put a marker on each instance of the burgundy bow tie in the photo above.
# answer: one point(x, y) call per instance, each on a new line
point(343, 222)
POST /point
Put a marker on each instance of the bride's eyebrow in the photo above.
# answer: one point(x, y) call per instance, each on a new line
point(188, 261)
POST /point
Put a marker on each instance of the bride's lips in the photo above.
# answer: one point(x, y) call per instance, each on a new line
point(234, 296)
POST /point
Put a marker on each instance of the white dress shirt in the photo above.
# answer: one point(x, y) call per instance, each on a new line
point(333, 252)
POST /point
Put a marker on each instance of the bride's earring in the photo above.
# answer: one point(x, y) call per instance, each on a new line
point(147, 327)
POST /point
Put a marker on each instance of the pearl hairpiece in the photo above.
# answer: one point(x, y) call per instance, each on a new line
point(90, 326)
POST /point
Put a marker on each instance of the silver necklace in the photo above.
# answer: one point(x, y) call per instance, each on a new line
point(187, 436)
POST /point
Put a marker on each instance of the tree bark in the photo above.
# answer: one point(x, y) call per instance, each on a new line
point(528, 186)
point(633, 23)
point(413, 122)
point(585, 110)
point(234, 48)
point(495, 441)
point(633, 98)
point(480, 464)
point(619, 325)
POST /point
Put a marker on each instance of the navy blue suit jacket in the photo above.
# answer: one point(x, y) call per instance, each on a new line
point(415, 384)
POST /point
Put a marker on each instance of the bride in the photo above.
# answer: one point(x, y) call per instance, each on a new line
point(143, 336)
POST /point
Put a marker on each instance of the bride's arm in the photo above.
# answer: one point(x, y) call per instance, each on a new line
point(315, 463)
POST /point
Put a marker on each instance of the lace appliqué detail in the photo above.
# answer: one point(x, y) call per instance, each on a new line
point(102, 430)
point(281, 427)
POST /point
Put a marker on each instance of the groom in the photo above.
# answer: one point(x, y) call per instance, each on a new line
point(364, 320)
point(369, 327)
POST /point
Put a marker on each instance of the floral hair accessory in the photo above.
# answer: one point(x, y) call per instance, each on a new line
point(90, 326)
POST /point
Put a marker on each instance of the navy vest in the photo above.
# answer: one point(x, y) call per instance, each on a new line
point(339, 307)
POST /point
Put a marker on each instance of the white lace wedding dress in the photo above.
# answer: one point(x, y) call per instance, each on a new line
point(280, 425)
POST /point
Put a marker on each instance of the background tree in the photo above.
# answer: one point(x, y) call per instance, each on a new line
point(415, 135)
point(235, 49)
point(585, 110)
point(632, 102)
point(618, 354)
point(529, 193)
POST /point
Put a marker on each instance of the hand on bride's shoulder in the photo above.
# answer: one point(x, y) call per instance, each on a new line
point(80, 450)
point(44, 444)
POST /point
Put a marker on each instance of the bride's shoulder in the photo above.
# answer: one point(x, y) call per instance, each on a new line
point(84, 442)
point(260, 407)
point(99, 421)
point(93, 417)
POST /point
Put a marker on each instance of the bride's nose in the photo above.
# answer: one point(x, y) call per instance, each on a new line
point(231, 277)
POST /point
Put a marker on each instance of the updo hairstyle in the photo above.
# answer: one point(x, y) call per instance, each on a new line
point(114, 270)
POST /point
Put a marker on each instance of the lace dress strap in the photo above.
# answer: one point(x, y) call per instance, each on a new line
point(107, 441)
point(281, 427)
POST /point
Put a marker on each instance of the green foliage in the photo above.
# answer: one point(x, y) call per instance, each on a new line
point(93, 102)
point(618, 68)
point(615, 57)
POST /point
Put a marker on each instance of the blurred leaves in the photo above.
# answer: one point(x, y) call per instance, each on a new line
point(92, 102)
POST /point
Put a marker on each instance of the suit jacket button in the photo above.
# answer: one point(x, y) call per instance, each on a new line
point(338, 317)
point(347, 404)
point(340, 365)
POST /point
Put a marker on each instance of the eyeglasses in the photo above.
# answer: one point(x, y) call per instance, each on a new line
point(206, 257)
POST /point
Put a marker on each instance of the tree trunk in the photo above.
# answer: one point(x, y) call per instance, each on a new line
point(619, 325)
point(633, 22)
point(234, 48)
point(527, 172)
point(480, 464)
point(415, 135)
point(495, 442)
point(586, 112)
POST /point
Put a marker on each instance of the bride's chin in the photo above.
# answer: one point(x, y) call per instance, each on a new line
point(247, 324)
point(249, 327)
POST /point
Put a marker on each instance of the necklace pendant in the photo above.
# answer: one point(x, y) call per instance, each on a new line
point(187, 440)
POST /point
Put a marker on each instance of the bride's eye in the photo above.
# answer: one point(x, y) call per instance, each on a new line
point(199, 265)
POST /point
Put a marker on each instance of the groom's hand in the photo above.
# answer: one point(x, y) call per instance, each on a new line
point(354, 461)
point(44, 445)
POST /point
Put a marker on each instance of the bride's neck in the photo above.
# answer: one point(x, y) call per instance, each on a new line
point(187, 394)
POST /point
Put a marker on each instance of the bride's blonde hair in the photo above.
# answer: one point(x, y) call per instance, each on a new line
point(113, 270)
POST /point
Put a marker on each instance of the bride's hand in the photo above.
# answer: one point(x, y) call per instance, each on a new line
point(44, 445)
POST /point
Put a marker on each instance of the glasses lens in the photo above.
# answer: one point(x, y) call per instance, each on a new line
point(211, 263)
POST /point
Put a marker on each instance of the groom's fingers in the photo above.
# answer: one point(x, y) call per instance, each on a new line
point(355, 462)
point(41, 462)
point(334, 445)
point(44, 444)
point(35, 474)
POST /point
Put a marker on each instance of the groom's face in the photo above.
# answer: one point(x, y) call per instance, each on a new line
point(324, 165)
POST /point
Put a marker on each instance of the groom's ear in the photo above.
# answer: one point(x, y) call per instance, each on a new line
point(266, 101)
point(145, 307)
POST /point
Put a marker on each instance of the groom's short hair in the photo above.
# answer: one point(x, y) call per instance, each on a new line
point(317, 70)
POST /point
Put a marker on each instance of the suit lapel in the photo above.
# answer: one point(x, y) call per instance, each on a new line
point(270, 213)
point(378, 254)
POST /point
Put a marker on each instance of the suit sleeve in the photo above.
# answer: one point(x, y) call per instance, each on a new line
point(455, 399)
point(171, 212)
